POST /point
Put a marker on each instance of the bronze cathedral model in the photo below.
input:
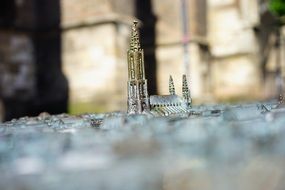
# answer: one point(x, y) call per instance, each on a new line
point(139, 102)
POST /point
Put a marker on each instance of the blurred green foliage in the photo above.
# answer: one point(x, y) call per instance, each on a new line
point(76, 108)
point(277, 7)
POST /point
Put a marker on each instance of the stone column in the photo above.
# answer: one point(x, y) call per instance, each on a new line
point(30, 52)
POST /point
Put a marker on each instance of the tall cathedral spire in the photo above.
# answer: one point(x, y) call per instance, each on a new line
point(138, 99)
point(135, 40)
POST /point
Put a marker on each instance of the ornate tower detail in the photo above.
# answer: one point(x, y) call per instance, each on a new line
point(171, 86)
point(138, 99)
point(186, 92)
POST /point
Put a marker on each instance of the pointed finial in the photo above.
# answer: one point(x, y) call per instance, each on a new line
point(135, 23)
point(135, 42)
point(184, 83)
point(171, 86)
point(185, 90)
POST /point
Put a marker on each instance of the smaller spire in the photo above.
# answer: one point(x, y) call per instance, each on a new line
point(135, 41)
point(185, 90)
point(171, 86)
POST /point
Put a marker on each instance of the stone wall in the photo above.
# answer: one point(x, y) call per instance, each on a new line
point(235, 49)
point(31, 80)
point(96, 66)
point(17, 66)
point(223, 45)
point(95, 42)
point(17, 72)
point(80, 13)
point(275, 63)
point(170, 53)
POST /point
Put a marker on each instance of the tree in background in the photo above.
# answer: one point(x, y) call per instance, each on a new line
point(277, 7)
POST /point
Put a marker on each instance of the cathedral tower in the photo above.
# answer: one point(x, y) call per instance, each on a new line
point(138, 99)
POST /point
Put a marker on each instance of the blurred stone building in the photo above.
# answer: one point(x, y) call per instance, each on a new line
point(227, 42)
point(234, 48)
point(245, 51)
point(31, 80)
point(96, 38)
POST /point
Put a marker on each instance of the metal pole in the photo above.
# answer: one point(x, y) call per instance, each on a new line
point(282, 58)
point(186, 36)
point(279, 78)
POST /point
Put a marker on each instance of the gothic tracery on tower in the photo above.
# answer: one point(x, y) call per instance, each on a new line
point(139, 101)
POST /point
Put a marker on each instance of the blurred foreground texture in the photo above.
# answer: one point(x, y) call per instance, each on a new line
point(52, 51)
point(222, 147)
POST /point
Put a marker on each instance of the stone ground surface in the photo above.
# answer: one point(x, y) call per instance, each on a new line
point(237, 147)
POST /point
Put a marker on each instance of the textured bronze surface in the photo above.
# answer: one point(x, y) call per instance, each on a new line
point(171, 86)
point(138, 99)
